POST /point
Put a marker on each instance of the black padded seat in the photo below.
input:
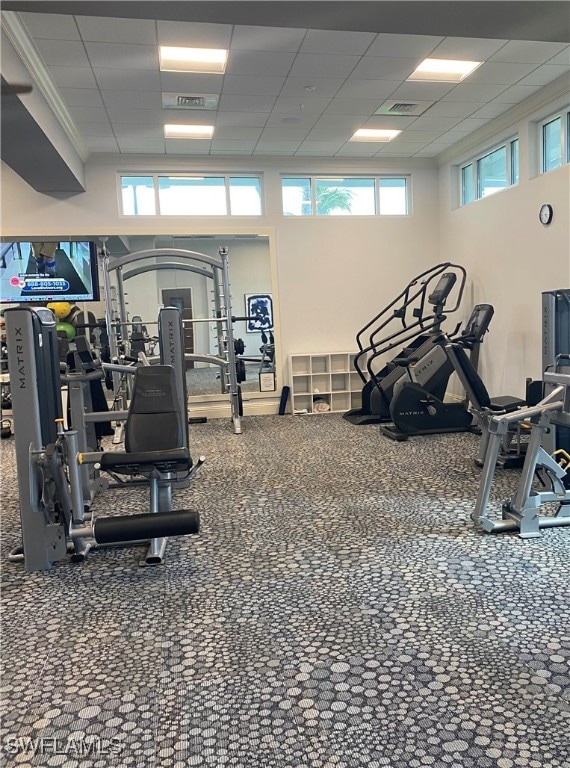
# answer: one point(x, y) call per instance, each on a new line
point(155, 430)
point(506, 403)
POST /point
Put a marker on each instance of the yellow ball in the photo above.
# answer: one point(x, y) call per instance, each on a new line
point(61, 309)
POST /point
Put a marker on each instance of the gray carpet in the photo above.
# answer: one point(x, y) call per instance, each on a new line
point(337, 610)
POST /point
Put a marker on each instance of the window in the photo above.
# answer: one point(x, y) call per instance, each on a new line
point(350, 196)
point(184, 195)
point(490, 172)
point(555, 141)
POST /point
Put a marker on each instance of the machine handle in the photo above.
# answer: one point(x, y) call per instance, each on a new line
point(110, 530)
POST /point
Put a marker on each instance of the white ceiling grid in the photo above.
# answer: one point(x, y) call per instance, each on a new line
point(286, 92)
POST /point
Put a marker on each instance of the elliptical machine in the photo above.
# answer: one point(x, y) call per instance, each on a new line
point(412, 319)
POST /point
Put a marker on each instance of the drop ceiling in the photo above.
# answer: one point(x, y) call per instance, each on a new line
point(290, 90)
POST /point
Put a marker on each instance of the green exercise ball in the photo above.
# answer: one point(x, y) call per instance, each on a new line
point(68, 328)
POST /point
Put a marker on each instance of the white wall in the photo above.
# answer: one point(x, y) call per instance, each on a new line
point(510, 256)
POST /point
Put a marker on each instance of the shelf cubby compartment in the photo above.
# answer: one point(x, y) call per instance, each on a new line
point(302, 383)
point(339, 382)
point(300, 364)
point(319, 364)
point(321, 398)
point(340, 363)
point(320, 382)
point(340, 401)
point(303, 403)
point(355, 381)
point(356, 399)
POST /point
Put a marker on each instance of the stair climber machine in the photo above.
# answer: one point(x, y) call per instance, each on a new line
point(417, 406)
point(412, 324)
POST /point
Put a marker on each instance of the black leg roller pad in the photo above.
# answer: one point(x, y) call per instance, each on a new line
point(112, 530)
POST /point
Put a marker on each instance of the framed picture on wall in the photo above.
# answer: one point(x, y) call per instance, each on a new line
point(259, 309)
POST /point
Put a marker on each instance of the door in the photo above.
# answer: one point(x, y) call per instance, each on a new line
point(181, 298)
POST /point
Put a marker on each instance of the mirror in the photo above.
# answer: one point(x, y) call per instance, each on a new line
point(252, 297)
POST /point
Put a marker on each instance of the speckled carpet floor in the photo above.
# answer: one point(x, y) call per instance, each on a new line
point(337, 610)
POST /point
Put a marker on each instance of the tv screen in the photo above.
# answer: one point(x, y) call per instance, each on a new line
point(48, 271)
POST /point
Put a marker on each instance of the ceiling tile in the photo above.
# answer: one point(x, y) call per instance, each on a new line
point(453, 108)
point(127, 79)
point(73, 77)
point(422, 91)
point(466, 48)
point(340, 106)
point(101, 130)
point(123, 56)
point(516, 94)
point(398, 122)
point(191, 82)
point(323, 65)
point(341, 42)
point(130, 99)
point(72, 54)
point(491, 110)
point(308, 105)
point(368, 89)
point(106, 30)
point(297, 120)
point(430, 123)
point(138, 130)
point(230, 103)
point(50, 26)
point(470, 124)
point(187, 146)
point(407, 46)
point(357, 149)
point(474, 92)
point(324, 87)
point(238, 133)
point(254, 62)
point(141, 116)
point(393, 151)
point(194, 34)
point(499, 73)
point(266, 39)
point(81, 97)
point(276, 147)
point(238, 119)
point(141, 145)
point(233, 145)
point(88, 114)
point(319, 148)
point(101, 144)
point(527, 51)
point(383, 68)
point(340, 122)
point(285, 133)
point(545, 74)
point(419, 136)
point(562, 58)
point(252, 85)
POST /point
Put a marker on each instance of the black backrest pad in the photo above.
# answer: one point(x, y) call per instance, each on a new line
point(155, 422)
point(473, 383)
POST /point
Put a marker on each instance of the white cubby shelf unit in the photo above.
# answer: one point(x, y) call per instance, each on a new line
point(327, 377)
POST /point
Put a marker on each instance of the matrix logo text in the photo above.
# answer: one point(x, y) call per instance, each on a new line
point(73, 746)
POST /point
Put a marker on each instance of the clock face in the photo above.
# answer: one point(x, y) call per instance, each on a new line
point(545, 214)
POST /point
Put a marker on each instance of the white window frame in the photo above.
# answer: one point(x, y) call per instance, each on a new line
point(564, 115)
point(473, 161)
point(376, 177)
point(226, 176)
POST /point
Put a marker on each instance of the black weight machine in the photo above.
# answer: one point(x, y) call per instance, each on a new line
point(55, 518)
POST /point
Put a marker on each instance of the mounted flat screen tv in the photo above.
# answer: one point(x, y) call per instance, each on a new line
point(48, 271)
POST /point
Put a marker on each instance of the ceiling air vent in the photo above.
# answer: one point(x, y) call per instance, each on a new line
point(404, 108)
point(190, 101)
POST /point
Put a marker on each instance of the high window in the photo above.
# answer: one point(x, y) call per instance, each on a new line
point(189, 195)
point(346, 196)
point(490, 172)
point(555, 141)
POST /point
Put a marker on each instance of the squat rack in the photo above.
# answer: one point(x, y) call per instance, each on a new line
point(217, 268)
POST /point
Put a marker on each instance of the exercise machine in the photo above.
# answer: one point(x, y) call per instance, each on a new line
point(417, 406)
point(55, 518)
point(413, 319)
point(522, 511)
point(555, 334)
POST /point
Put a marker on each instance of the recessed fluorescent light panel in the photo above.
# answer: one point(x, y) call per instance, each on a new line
point(374, 134)
point(172, 131)
point(444, 70)
point(211, 60)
